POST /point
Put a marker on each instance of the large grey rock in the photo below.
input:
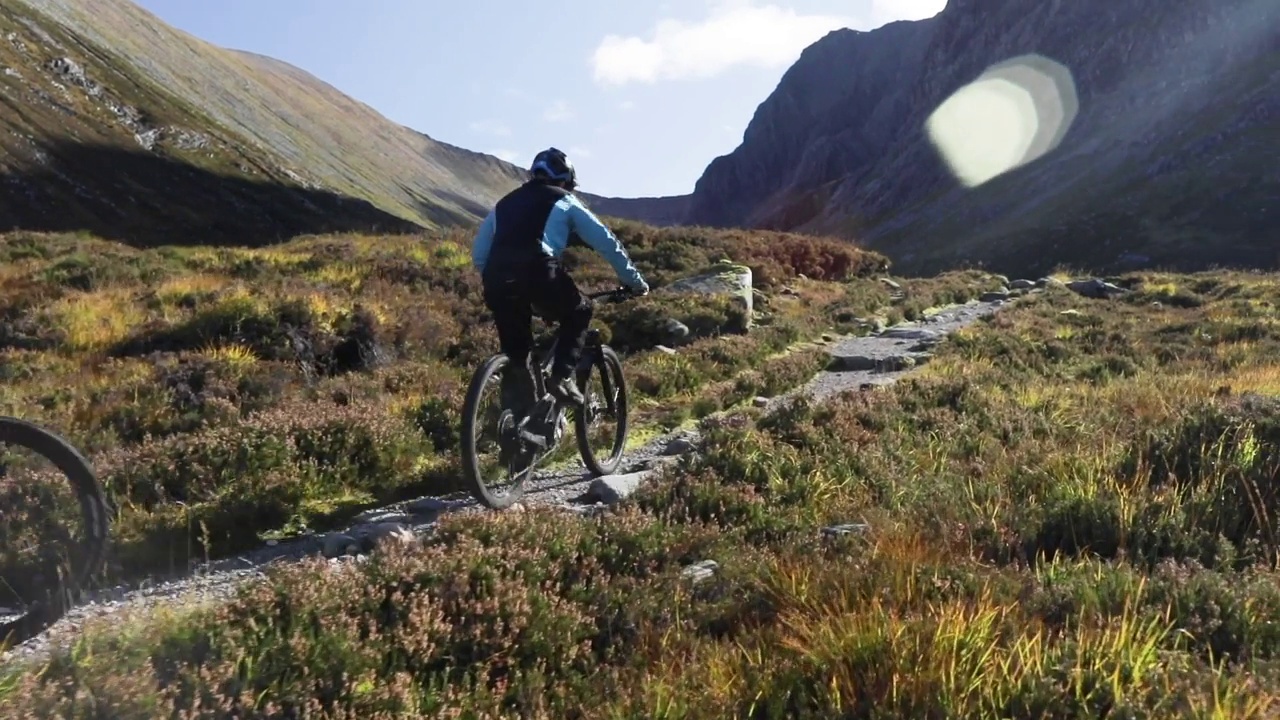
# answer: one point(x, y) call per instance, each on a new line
point(611, 489)
point(724, 278)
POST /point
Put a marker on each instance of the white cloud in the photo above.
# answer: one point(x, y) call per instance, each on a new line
point(559, 112)
point(736, 32)
point(626, 105)
point(490, 127)
point(886, 11)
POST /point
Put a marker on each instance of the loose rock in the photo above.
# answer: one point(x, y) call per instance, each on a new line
point(337, 544)
point(895, 363)
point(846, 529)
point(675, 331)
point(851, 363)
point(679, 446)
point(909, 333)
point(1095, 288)
point(426, 506)
point(700, 571)
point(612, 489)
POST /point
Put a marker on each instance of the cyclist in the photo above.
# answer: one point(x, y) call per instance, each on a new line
point(517, 252)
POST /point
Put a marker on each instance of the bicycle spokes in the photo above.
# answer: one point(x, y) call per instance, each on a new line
point(501, 455)
point(601, 409)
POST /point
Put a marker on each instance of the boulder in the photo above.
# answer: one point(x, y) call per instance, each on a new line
point(1095, 288)
point(724, 278)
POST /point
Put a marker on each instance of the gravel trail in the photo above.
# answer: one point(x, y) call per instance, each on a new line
point(856, 362)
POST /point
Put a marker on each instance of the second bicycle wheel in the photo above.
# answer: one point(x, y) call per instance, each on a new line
point(53, 528)
point(601, 424)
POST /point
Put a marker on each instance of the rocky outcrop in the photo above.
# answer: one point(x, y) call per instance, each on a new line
point(1172, 107)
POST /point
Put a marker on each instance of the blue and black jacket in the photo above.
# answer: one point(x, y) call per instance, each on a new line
point(537, 220)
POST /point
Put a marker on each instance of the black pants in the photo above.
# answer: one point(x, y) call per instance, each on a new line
point(512, 294)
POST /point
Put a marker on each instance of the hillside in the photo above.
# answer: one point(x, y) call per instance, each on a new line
point(1168, 161)
point(114, 122)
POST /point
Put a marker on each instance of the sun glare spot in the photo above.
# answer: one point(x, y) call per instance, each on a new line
point(1014, 113)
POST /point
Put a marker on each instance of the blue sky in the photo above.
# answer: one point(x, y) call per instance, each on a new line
point(643, 94)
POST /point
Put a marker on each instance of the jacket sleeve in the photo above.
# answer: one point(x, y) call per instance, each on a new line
point(483, 242)
point(595, 234)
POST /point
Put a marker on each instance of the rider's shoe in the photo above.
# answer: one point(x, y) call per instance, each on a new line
point(566, 390)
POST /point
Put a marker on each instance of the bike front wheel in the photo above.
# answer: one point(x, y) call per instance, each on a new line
point(601, 423)
point(497, 453)
point(43, 560)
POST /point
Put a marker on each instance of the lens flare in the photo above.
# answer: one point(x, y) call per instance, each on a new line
point(1014, 113)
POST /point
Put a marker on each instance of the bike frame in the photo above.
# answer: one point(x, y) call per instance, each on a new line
point(546, 357)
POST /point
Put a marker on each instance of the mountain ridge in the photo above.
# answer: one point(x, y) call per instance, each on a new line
point(115, 84)
point(1163, 164)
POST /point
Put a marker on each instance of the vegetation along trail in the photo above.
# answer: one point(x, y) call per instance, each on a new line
point(856, 362)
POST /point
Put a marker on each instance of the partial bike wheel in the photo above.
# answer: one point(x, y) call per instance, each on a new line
point(53, 528)
point(499, 453)
point(601, 423)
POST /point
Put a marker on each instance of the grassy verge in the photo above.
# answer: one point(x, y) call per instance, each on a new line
point(228, 394)
point(1070, 515)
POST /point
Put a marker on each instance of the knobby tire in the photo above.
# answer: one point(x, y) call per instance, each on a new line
point(606, 362)
point(94, 514)
point(470, 460)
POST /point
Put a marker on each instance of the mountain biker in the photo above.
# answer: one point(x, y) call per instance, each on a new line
point(517, 252)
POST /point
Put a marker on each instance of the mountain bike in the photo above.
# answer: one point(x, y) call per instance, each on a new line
point(41, 577)
point(522, 443)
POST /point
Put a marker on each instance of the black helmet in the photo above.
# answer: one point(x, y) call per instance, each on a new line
point(552, 164)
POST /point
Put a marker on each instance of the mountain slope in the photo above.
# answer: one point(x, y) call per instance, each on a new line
point(115, 122)
point(1169, 159)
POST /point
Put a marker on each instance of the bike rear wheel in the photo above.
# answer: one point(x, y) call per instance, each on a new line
point(606, 402)
point(58, 578)
point(477, 415)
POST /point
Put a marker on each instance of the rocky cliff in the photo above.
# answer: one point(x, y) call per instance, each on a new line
point(114, 122)
point(1145, 132)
